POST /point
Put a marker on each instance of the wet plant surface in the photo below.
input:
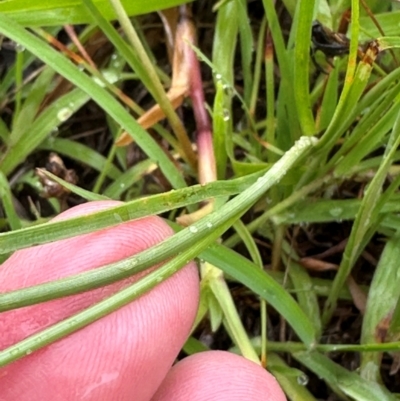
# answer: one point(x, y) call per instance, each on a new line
point(327, 231)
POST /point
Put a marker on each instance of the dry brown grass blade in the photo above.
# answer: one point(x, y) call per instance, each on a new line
point(180, 73)
point(358, 295)
point(71, 33)
point(317, 264)
point(96, 50)
point(169, 18)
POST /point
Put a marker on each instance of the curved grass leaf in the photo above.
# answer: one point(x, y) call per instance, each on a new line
point(135, 209)
point(338, 377)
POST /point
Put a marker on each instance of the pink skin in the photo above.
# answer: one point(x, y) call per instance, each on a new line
point(127, 355)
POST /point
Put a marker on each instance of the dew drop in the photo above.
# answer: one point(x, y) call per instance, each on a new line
point(336, 211)
point(111, 75)
point(226, 115)
point(302, 379)
point(209, 225)
point(15, 352)
point(228, 90)
point(19, 48)
point(218, 77)
point(193, 229)
point(118, 218)
point(64, 114)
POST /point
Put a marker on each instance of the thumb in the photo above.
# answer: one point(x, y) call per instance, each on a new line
point(123, 356)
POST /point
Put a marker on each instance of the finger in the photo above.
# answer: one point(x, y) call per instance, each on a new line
point(123, 356)
point(219, 376)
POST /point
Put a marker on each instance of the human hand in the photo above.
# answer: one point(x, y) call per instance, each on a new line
point(128, 354)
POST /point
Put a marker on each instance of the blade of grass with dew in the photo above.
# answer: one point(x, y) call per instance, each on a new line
point(225, 39)
point(230, 90)
point(221, 126)
point(127, 179)
point(197, 237)
point(65, 67)
point(258, 280)
point(291, 380)
point(45, 13)
point(365, 219)
point(82, 154)
point(350, 383)
point(107, 274)
point(155, 204)
point(105, 307)
point(223, 53)
point(382, 298)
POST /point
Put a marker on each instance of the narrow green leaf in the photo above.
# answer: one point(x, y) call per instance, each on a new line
point(349, 382)
point(45, 13)
point(266, 287)
point(155, 204)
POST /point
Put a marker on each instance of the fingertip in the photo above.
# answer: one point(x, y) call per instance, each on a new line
point(218, 375)
point(126, 353)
